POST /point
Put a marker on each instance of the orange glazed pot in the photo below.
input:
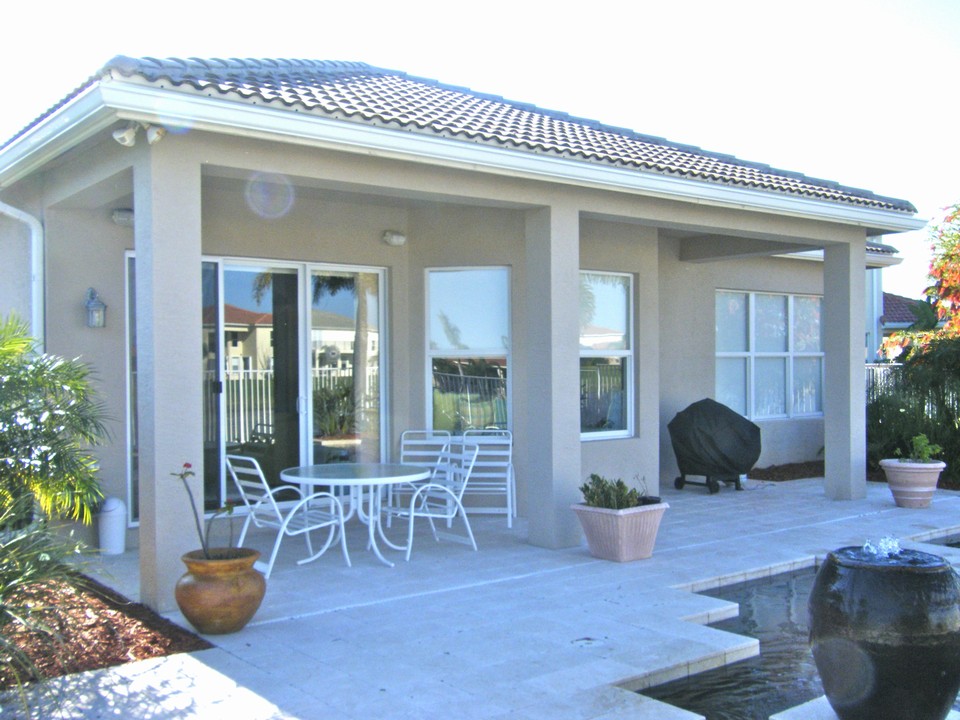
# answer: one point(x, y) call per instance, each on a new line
point(220, 594)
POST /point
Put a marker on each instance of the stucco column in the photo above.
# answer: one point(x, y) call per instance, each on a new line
point(551, 354)
point(844, 394)
point(169, 360)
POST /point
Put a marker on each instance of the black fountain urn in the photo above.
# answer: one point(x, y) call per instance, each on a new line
point(885, 633)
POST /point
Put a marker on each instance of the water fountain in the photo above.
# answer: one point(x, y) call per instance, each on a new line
point(885, 632)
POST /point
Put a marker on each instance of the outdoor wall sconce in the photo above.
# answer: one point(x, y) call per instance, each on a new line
point(394, 238)
point(96, 310)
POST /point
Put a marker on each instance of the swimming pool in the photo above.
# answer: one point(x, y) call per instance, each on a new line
point(773, 610)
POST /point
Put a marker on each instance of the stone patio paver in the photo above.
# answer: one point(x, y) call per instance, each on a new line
point(513, 631)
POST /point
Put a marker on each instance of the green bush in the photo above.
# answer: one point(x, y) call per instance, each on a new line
point(919, 404)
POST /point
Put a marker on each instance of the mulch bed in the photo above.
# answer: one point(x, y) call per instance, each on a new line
point(790, 471)
point(94, 627)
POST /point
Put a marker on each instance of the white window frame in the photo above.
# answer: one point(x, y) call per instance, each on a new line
point(482, 353)
point(628, 361)
point(790, 355)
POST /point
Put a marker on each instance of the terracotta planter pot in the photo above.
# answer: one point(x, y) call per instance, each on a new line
point(621, 535)
point(912, 483)
point(885, 634)
point(221, 594)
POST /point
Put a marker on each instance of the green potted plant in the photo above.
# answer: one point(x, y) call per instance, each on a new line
point(913, 479)
point(619, 522)
point(221, 590)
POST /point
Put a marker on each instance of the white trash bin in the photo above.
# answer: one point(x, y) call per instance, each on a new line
point(112, 521)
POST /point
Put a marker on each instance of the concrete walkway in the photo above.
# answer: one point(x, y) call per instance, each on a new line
point(512, 631)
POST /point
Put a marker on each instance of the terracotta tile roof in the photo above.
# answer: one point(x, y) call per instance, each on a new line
point(897, 309)
point(365, 94)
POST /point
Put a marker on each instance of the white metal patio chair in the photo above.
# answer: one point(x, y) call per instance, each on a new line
point(442, 497)
point(308, 513)
point(423, 448)
point(493, 475)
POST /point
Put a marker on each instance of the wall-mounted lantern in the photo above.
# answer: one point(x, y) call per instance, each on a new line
point(96, 310)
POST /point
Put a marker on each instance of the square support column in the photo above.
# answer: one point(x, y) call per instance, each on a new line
point(844, 394)
point(551, 354)
point(169, 361)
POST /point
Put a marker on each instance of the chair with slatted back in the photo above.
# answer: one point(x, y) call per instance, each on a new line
point(441, 498)
point(493, 475)
point(266, 508)
point(423, 448)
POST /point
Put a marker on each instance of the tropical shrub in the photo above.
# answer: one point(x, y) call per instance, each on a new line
point(49, 420)
point(333, 409)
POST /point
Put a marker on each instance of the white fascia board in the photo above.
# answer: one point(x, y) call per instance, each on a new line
point(147, 104)
point(83, 117)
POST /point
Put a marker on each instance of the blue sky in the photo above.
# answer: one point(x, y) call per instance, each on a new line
point(857, 91)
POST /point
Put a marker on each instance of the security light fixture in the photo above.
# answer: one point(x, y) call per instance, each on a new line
point(155, 134)
point(126, 136)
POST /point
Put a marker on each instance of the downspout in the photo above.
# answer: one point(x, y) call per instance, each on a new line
point(36, 270)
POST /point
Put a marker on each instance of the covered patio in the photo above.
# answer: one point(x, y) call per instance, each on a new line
point(511, 631)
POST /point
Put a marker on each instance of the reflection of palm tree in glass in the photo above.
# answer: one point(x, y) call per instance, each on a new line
point(451, 331)
point(360, 286)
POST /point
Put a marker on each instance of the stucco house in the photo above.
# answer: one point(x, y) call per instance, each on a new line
point(458, 234)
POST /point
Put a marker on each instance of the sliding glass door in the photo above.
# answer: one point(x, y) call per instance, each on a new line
point(291, 368)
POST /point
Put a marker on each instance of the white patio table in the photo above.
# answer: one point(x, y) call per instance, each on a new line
point(358, 477)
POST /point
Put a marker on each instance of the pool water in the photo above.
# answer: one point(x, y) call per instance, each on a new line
point(773, 610)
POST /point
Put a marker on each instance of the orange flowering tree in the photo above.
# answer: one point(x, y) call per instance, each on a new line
point(927, 397)
point(944, 290)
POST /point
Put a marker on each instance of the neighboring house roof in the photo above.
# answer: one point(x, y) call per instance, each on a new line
point(235, 315)
point(360, 93)
point(325, 320)
point(897, 309)
point(880, 249)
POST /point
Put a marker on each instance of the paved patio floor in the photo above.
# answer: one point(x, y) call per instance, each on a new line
point(512, 631)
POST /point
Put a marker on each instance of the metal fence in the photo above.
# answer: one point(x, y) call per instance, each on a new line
point(250, 400)
point(887, 378)
point(882, 378)
point(461, 402)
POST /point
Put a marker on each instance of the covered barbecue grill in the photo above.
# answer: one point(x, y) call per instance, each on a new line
point(711, 440)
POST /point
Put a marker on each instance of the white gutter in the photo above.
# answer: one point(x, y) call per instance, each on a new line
point(36, 270)
point(874, 259)
point(124, 100)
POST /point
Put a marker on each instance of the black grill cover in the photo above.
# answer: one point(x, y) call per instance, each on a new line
point(711, 439)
